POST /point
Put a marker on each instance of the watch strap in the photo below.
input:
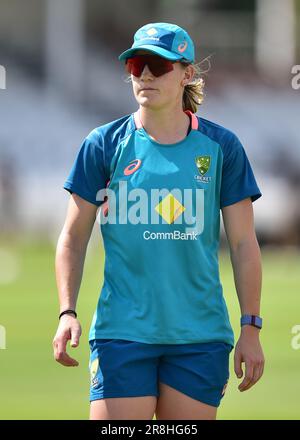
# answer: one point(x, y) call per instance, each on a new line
point(254, 320)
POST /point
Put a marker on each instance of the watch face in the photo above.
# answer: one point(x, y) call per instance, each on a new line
point(257, 322)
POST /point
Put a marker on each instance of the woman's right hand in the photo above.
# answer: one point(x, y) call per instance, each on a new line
point(69, 328)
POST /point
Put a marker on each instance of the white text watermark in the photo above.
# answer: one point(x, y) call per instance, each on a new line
point(2, 77)
point(2, 338)
point(295, 342)
point(161, 206)
point(296, 78)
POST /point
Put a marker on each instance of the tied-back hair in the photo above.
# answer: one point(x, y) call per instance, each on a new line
point(193, 94)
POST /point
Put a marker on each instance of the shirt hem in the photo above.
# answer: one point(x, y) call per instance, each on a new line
point(254, 196)
point(156, 340)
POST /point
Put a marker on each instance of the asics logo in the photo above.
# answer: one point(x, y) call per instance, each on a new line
point(132, 167)
point(182, 46)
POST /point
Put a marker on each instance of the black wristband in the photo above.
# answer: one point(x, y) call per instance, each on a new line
point(67, 311)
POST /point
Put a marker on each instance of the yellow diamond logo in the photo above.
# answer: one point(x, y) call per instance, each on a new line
point(169, 208)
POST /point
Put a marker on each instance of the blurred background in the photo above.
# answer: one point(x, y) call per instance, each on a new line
point(59, 78)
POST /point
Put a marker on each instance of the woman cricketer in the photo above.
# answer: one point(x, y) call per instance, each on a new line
point(160, 338)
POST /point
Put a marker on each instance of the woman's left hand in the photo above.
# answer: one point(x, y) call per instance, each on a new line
point(249, 351)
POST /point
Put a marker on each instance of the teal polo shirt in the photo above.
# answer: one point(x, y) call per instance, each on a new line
point(160, 223)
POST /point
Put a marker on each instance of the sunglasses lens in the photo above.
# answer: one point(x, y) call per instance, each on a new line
point(134, 66)
point(157, 65)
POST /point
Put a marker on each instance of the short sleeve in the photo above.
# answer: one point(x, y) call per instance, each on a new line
point(238, 181)
point(87, 175)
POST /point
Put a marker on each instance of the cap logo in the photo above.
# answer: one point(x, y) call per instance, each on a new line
point(152, 31)
point(182, 47)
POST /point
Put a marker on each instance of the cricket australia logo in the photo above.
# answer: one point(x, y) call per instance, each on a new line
point(203, 164)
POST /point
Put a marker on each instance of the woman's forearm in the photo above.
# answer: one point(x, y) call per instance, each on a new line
point(246, 263)
point(69, 264)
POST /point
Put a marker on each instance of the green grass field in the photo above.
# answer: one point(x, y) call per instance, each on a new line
point(34, 386)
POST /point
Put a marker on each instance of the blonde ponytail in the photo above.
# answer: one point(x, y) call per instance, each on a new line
point(193, 94)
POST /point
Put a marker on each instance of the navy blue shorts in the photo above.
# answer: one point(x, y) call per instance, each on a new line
point(121, 368)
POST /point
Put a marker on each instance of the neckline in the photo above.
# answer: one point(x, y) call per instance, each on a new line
point(193, 126)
